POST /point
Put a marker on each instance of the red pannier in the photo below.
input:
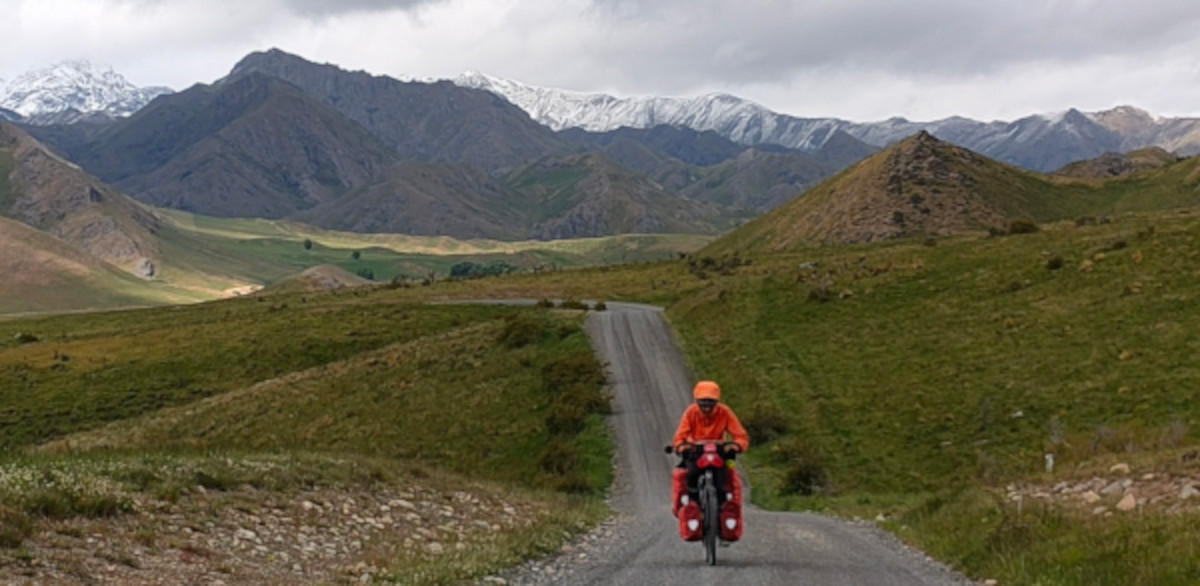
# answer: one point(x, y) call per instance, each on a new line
point(678, 489)
point(731, 511)
point(691, 520)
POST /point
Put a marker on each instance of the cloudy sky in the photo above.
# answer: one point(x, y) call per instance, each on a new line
point(860, 60)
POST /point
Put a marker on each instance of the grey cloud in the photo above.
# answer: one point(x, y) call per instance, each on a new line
point(758, 40)
point(325, 8)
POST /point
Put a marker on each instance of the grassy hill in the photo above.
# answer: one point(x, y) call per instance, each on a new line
point(923, 187)
point(44, 274)
point(212, 410)
point(201, 258)
point(919, 385)
point(926, 385)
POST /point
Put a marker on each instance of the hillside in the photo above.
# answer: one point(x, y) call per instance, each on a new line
point(42, 273)
point(919, 386)
point(431, 122)
point(923, 186)
point(918, 186)
point(254, 147)
point(1118, 164)
point(589, 196)
point(757, 180)
point(991, 400)
point(362, 471)
point(51, 194)
point(104, 227)
point(705, 166)
point(318, 278)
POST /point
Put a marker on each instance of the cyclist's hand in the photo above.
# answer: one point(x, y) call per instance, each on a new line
point(732, 448)
point(683, 448)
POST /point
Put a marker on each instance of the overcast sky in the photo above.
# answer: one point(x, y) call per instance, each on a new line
point(861, 60)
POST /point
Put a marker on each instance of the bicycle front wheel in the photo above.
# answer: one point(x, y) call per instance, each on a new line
point(712, 523)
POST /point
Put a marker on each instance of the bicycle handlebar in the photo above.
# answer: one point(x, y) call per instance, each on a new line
point(693, 451)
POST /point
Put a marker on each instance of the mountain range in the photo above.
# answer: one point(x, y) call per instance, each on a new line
point(282, 138)
point(72, 91)
point(1042, 142)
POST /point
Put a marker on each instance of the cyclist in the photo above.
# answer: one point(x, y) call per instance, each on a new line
point(707, 419)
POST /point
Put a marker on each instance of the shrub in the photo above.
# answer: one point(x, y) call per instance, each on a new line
point(559, 457)
point(821, 292)
point(51, 503)
point(545, 303)
point(599, 306)
point(565, 418)
point(23, 338)
point(1055, 261)
point(56, 503)
point(572, 482)
point(765, 423)
point(573, 304)
point(212, 481)
point(590, 398)
point(567, 329)
point(1023, 227)
point(15, 527)
point(804, 468)
point(576, 369)
point(521, 331)
point(104, 505)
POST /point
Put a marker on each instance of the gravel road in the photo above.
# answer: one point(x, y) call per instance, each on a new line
point(651, 387)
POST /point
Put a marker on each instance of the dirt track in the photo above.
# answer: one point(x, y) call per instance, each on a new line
point(652, 387)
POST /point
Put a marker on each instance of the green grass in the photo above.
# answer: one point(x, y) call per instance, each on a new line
point(904, 379)
point(356, 372)
point(1046, 545)
point(956, 367)
point(363, 374)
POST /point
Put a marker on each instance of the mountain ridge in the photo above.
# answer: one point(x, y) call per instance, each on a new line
point(1042, 142)
point(1122, 128)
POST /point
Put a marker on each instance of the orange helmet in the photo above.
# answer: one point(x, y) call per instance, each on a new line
point(706, 389)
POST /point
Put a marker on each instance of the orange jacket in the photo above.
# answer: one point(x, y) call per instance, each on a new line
point(695, 426)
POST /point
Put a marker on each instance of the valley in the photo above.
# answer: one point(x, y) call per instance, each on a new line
point(238, 339)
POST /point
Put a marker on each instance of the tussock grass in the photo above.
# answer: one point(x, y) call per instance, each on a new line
point(925, 370)
point(290, 380)
point(504, 551)
point(923, 381)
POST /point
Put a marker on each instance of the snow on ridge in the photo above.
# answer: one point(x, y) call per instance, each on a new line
point(75, 85)
point(743, 120)
point(1053, 118)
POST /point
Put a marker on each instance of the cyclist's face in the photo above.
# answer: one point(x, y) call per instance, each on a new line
point(706, 405)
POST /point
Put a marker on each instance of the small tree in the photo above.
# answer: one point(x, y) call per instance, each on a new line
point(307, 244)
point(355, 255)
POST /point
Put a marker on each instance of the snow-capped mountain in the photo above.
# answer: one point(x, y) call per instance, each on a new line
point(1042, 142)
point(73, 90)
point(736, 118)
